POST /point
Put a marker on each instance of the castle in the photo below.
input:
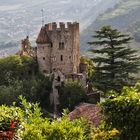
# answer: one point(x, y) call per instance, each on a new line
point(58, 48)
point(58, 54)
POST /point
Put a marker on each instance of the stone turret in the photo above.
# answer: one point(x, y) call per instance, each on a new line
point(58, 47)
point(43, 37)
point(26, 48)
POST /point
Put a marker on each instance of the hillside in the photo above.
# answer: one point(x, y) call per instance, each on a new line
point(19, 18)
point(124, 16)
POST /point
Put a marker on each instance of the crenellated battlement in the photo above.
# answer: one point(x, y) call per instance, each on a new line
point(61, 26)
point(58, 47)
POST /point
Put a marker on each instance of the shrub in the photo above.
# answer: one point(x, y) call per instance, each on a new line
point(9, 116)
point(99, 134)
point(123, 113)
point(16, 67)
point(71, 94)
point(9, 94)
point(59, 129)
point(34, 126)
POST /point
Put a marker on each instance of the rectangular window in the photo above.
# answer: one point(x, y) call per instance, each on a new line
point(61, 57)
point(43, 58)
point(51, 45)
point(61, 45)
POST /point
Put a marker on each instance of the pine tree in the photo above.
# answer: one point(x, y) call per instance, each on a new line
point(116, 62)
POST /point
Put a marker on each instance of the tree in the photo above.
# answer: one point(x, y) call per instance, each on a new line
point(71, 94)
point(90, 65)
point(19, 75)
point(36, 89)
point(115, 61)
point(16, 67)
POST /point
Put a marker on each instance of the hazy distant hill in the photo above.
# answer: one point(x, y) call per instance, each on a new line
point(19, 18)
point(124, 16)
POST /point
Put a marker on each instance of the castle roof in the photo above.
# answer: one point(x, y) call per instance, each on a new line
point(88, 111)
point(43, 37)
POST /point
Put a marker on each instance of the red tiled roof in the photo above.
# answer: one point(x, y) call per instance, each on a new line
point(43, 37)
point(90, 112)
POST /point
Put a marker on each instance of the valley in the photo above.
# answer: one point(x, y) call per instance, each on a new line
point(124, 16)
point(20, 18)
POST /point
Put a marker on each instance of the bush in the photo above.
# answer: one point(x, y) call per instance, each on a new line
point(34, 126)
point(16, 67)
point(9, 94)
point(71, 94)
point(9, 115)
point(37, 89)
point(99, 134)
point(123, 113)
point(19, 76)
point(57, 130)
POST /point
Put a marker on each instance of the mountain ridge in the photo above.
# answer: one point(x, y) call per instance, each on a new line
point(26, 18)
point(123, 16)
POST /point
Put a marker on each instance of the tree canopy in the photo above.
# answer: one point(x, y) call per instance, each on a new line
point(116, 62)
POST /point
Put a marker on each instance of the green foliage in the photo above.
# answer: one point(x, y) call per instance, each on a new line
point(37, 89)
point(7, 115)
point(59, 129)
point(9, 94)
point(123, 113)
point(28, 113)
point(20, 76)
point(71, 94)
point(116, 63)
point(90, 65)
point(34, 126)
point(99, 134)
point(15, 67)
point(31, 111)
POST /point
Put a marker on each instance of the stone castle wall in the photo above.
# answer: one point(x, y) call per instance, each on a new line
point(60, 48)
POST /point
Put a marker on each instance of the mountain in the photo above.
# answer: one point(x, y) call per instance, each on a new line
point(19, 18)
point(124, 16)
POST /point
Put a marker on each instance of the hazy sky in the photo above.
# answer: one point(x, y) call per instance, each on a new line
point(63, 2)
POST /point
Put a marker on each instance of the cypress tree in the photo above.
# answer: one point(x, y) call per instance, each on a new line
point(116, 63)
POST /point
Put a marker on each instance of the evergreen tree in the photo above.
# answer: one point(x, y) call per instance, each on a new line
point(116, 62)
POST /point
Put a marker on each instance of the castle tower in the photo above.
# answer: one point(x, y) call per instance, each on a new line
point(59, 48)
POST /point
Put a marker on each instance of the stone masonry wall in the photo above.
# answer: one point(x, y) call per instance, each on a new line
point(50, 56)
